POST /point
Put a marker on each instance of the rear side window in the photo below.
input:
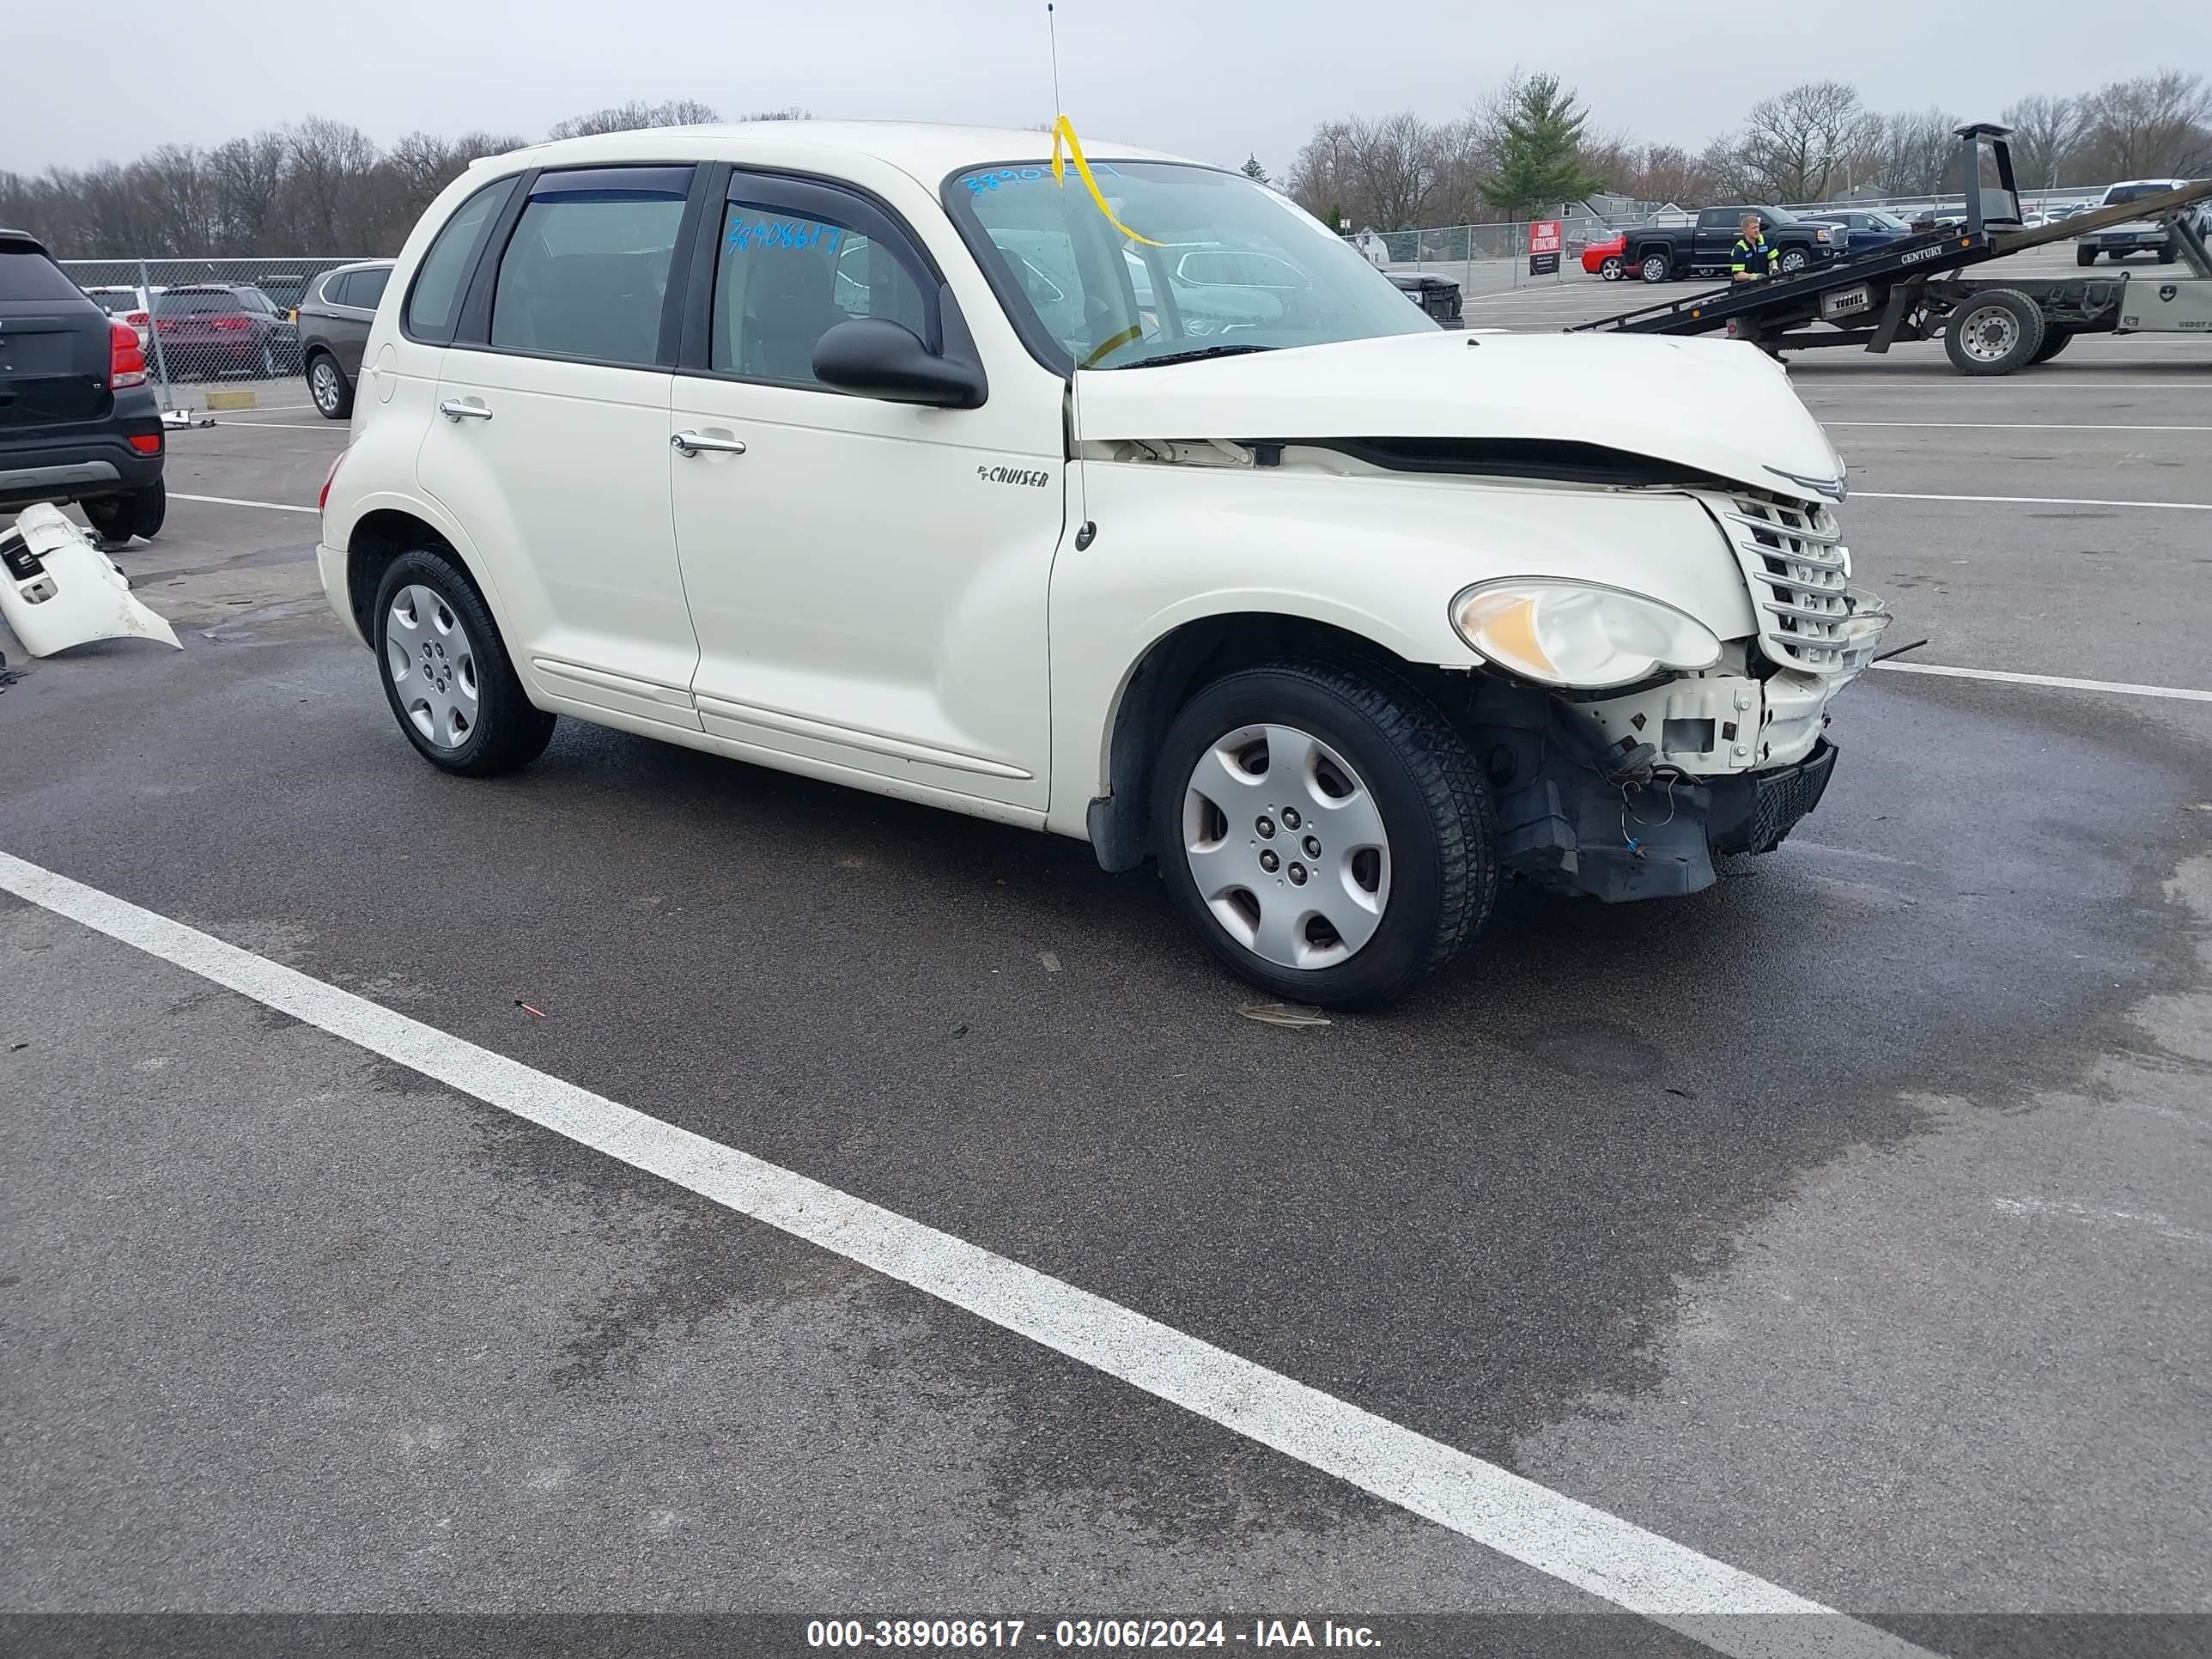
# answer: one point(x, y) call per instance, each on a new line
point(365, 288)
point(27, 275)
point(434, 306)
point(586, 273)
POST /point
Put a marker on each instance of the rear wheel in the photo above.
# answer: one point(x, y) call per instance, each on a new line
point(1325, 830)
point(1655, 266)
point(328, 385)
point(1994, 332)
point(1610, 268)
point(447, 673)
point(2169, 254)
point(2055, 340)
point(2085, 255)
point(118, 518)
point(270, 367)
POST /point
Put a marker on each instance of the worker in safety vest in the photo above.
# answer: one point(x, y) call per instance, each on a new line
point(1754, 256)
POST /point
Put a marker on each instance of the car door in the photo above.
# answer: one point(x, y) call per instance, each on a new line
point(551, 448)
point(1713, 241)
point(868, 578)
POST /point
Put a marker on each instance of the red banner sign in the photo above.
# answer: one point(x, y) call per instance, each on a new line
point(1544, 236)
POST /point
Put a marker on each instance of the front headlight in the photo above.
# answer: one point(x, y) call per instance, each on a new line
point(1577, 634)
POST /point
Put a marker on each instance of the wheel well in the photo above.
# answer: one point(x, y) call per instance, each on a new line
point(1177, 664)
point(378, 540)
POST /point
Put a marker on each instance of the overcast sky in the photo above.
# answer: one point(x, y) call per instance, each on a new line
point(1210, 78)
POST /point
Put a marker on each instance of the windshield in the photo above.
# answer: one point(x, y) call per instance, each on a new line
point(1238, 267)
point(1889, 222)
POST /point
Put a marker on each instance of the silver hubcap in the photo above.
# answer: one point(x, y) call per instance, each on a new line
point(1793, 262)
point(427, 653)
point(1654, 269)
point(327, 386)
point(1287, 845)
point(1989, 334)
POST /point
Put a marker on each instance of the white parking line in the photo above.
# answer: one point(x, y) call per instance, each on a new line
point(1879, 383)
point(2016, 426)
point(1711, 1602)
point(288, 426)
point(2026, 500)
point(2058, 680)
point(232, 500)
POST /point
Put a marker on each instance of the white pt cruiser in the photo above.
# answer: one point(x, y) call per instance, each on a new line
point(877, 454)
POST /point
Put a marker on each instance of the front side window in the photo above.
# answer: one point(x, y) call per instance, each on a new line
point(434, 306)
point(1237, 266)
point(585, 272)
point(784, 278)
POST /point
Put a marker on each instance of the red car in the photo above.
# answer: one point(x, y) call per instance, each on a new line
point(1606, 258)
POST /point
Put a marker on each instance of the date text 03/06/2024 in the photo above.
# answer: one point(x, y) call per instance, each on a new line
point(1106, 1634)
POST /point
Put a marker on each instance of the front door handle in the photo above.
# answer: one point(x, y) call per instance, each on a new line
point(457, 410)
point(691, 443)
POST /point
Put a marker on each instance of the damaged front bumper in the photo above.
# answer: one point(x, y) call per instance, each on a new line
point(57, 590)
point(1619, 840)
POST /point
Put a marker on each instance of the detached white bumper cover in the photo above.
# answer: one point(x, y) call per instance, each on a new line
point(57, 590)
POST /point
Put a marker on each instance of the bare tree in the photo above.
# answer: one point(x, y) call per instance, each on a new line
point(1383, 175)
point(2046, 134)
point(1912, 154)
point(636, 115)
point(1800, 145)
point(2153, 127)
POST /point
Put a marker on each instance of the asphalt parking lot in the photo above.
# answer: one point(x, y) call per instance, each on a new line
point(1844, 1228)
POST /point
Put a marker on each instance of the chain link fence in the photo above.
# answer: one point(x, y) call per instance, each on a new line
point(211, 325)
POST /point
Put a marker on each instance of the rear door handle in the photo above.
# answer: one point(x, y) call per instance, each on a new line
point(691, 443)
point(457, 409)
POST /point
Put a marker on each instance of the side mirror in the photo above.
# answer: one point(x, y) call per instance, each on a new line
point(875, 357)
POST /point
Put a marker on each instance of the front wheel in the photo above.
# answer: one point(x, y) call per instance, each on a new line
point(447, 673)
point(2085, 255)
point(1325, 830)
point(2169, 254)
point(1994, 332)
point(1793, 261)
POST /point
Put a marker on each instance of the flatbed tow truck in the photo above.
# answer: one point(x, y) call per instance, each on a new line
point(1907, 290)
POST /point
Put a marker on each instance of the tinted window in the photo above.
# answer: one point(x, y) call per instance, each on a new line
point(2133, 192)
point(586, 270)
point(196, 303)
point(24, 275)
point(335, 288)
point(434, 305)
point(784, 279)
point(365, 288)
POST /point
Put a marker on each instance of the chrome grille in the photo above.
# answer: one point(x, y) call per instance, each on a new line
point(1799, 571)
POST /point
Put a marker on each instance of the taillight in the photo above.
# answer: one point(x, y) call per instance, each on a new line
point(323, 500)
point(147, 443)
point(233, 323)
point(126, 358)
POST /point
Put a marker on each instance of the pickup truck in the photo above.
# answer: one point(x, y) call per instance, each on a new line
point(2115, 242)
point(1658, 252)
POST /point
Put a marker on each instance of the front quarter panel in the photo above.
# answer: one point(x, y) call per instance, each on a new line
point(1381, 557)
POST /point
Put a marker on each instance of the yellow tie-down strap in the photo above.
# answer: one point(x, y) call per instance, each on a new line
point(1063, 133)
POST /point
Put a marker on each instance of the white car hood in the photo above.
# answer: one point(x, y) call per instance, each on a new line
point(1718, 407)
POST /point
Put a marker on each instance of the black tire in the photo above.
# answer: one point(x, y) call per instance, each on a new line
point(509, 731)
point(2169, 254)
point(2055, 340)
point(338, 391)
point(2085, 255)
point(270, 368)
point(110, 517)
point(149, 508)
point(1610, 268)
point(1654, 266)
point(1996, 331)
point(1431, 794)
point(1792, 261)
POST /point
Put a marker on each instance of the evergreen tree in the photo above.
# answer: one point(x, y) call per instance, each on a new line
point(1539, 140)
point(1253, 171)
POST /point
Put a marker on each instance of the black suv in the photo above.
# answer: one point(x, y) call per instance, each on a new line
point(77, 421)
